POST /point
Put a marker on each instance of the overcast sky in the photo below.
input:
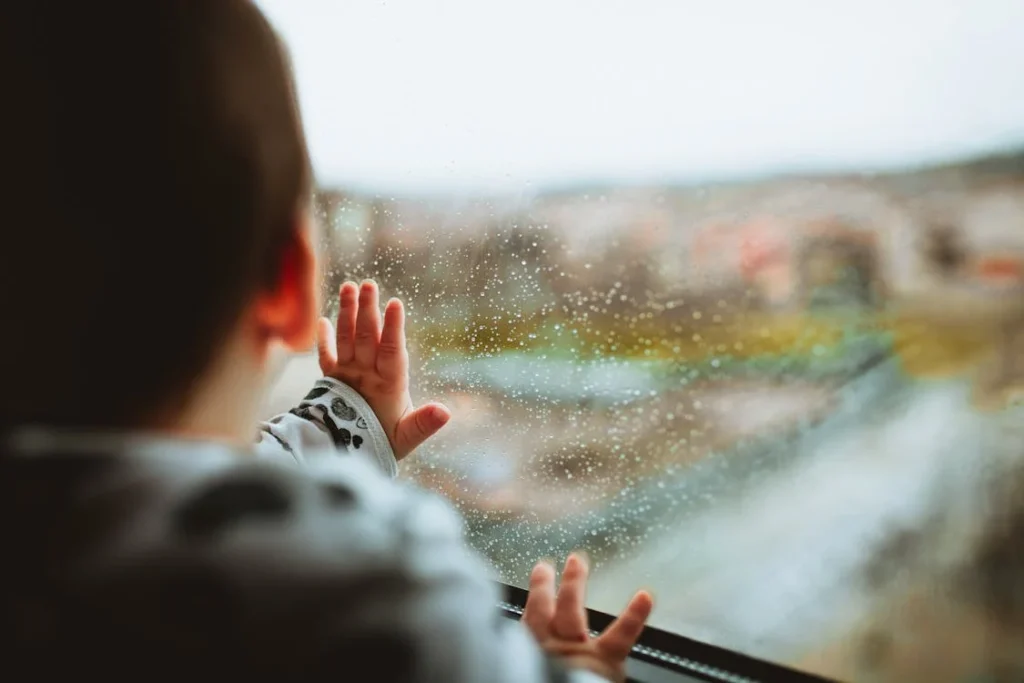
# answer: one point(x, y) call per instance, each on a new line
point(459, 94)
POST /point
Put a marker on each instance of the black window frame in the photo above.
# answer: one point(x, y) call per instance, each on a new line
point(677, 653)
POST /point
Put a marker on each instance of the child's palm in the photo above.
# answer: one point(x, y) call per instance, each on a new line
point(372, 359)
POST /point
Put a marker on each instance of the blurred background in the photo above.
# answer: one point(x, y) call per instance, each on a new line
point(729, 295)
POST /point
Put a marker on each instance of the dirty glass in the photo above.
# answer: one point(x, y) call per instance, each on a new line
point(730, 295)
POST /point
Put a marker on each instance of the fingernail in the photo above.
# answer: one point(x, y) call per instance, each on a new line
point(583, 557)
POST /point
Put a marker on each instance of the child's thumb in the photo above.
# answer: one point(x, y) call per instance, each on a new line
point(418, 426)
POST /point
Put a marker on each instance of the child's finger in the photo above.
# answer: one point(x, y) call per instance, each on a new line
point(367, 335)
point(392, 359)
point(621, 635)
point(325, 345)
point(540, 602)
point(570, 621)
point(348, 305)
point(418, 426)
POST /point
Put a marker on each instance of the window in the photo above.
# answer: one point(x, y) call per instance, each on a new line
point(730, 295)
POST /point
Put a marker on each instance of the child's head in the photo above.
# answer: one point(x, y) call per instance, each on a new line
point(159, 150)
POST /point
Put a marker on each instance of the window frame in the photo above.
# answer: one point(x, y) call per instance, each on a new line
point(679, 654)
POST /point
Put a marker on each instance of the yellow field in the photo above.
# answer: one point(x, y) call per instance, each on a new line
point(927, 346)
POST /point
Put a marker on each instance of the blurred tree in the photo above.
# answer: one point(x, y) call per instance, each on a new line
point(944, 249)
point(839, 267)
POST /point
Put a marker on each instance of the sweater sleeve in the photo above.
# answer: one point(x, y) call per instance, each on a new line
point(332, 419)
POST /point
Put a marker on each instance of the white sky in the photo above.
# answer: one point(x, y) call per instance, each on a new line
point(460, 94)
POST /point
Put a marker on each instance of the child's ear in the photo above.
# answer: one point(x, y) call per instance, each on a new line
point(288, 311)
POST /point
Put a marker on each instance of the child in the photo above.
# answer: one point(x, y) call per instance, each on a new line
point(161, 250)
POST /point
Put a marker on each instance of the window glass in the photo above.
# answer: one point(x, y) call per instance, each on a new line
point(730, 295)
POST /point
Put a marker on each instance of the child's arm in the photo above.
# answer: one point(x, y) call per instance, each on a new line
point(332, 417)
point(362, 405)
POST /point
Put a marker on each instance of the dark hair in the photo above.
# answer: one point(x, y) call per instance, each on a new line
point(158, 164)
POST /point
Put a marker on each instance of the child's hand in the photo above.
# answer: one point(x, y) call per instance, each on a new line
point(560, 623)
point(374, 362)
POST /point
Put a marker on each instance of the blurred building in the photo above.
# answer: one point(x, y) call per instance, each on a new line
point(790, 242)
point(794, 241)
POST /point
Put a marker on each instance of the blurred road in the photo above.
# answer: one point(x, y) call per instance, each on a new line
point(780, 570)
